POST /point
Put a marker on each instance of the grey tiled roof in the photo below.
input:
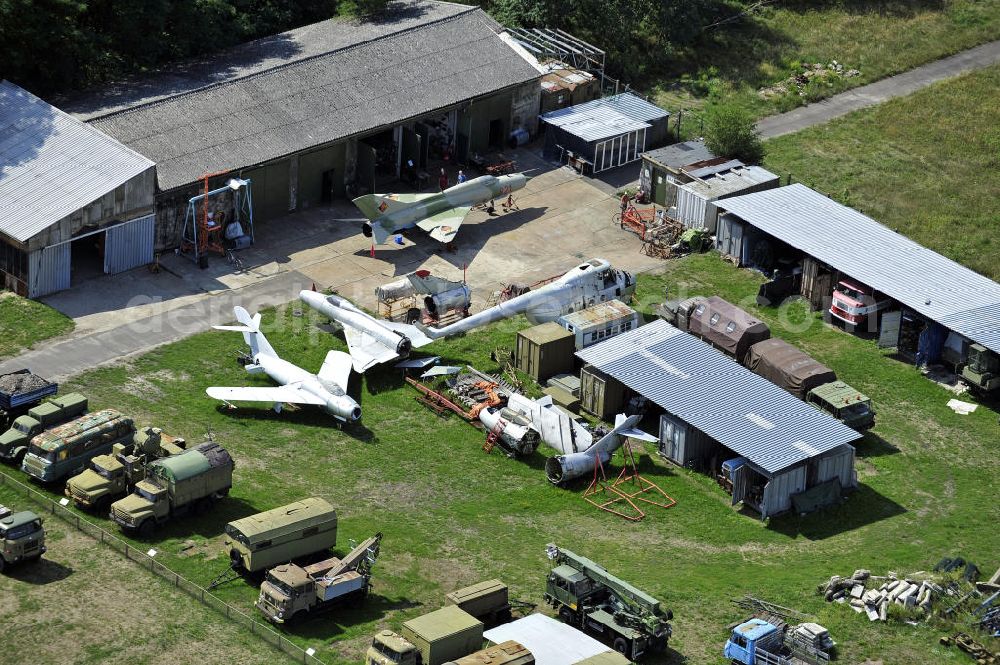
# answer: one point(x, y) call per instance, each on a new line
point(51, 164)
point(357, 89)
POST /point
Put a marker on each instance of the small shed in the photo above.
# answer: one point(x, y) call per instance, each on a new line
point(695, 205)
point(787, 366)
point(600, 394)
point(726, 327)
point(599, 322)
point(544, 350)
point(664, 168)
point(604, 133)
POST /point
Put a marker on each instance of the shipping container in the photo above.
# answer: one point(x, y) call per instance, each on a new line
point(444, 635)
point(544, 350)
point(683, 444)
point(600, 394)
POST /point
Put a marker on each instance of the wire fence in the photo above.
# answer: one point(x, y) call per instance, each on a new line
point(199, 593)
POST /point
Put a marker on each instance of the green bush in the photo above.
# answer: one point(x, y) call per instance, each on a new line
point(731, 131)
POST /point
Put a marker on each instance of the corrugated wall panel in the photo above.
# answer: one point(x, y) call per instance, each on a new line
point(48, 270)
point(129, 245)
point(779, 490)
point(838, 465)
point(690, 208)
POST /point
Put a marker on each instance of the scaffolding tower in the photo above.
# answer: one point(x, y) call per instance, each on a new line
point(554, 44)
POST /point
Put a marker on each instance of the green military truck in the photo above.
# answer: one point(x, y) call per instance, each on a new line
point(290, 591)
point(844, 403)
point(66, 449)
point(14, 442)
point(258, 542)
point(593, 600)
point(22, 537)
point(110, 477)
point(487, 601)
point(175, 485)
point(432, 639)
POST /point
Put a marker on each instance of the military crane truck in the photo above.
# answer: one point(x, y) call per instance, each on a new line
point(190, 481)
point(759, 641)
point(14, 442)
point(289, 591)
point(22, 537)
point(65, 450)
point(110, 477)
point(20, 391)
point(593, 600)
point(435, 638)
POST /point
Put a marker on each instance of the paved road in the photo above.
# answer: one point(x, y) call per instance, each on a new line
point(879, 91)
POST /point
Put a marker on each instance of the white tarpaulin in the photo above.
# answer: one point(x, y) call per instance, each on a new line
point(551, 642)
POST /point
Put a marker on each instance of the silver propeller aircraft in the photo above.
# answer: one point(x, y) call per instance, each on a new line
point(371, 341)
point(439, 214)
point(592, 282)
point(325, 389)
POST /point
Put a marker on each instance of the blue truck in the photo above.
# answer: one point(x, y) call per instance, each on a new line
point(759, 641)
point(19, 391)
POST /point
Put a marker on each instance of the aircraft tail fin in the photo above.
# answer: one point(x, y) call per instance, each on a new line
point(374, 206)
point(250, 327)
point(625, 427)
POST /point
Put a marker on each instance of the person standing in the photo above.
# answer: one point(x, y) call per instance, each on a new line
point(461, 177)
point(443, 180)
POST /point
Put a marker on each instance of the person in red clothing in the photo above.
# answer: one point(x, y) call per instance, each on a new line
point(443, 180)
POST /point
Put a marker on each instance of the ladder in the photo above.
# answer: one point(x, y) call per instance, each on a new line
point(494, 435)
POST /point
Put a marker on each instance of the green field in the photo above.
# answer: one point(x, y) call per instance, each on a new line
point(453, 515)
point(24, 323)
point(731, 63)
point(925, 165)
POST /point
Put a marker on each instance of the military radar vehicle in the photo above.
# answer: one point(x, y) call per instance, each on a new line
point(14, 442)
point(593, 600)
point(110, 477)
point(289, 591)
point(175, 485)
point(22, 537)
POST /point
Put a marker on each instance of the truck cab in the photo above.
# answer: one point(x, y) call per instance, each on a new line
point(14, 442)
point(388, 648)
point(286, 591)
point(844, 403)
point(754, 642)
point(22, 537)
point(853, 303)
point(148, 504)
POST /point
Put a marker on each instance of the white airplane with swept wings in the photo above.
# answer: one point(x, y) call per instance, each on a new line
point(326, 389)
point(371, 341)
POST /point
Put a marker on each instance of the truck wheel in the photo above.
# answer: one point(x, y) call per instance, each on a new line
point(566, 615)
point(19, 457)
point(146, 529)
point(621, 646)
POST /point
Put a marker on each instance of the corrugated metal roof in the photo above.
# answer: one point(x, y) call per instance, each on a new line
point(680, 154)
point(350, 91)
point(714, 167)
point(603, 118)
point(602, 312)
point(51, 164)
point(855, 244)
point(551, 642)
point(694, 382)
point(736, 180)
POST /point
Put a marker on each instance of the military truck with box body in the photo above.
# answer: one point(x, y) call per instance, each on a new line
point(487, 601)
point(19, 391)
point(276, 536)
point(432, 639)
point(110, 477)
point(505, 653)
point(596, 602)
point(290, 591)
point(22, 537)
point(175, 485)
point(14, 442)
point(65, 450)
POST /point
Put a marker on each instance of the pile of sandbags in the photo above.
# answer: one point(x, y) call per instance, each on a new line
point(860, 593)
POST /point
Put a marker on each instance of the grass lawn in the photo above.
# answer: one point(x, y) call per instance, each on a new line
point(24, 323)
point(925, 165)
point(452, 515)
point(877, 38)
point(87, 605)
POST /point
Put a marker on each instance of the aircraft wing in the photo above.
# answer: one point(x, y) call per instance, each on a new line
point(276, 394)
point(416, 336)
point(366, 351)
point(337, 367)
point(444, 226)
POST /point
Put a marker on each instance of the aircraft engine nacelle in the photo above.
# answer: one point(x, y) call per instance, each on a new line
point(564, 468)
point(458, 298)
point(366, 229)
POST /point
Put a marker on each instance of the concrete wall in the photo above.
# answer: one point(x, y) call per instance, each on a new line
point(133, 199)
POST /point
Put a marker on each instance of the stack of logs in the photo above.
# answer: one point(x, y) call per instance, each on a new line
point(860, 593)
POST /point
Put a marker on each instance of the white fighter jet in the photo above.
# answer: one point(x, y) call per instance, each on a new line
point(325, 389)
point(371, 341)
point(587, 284)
